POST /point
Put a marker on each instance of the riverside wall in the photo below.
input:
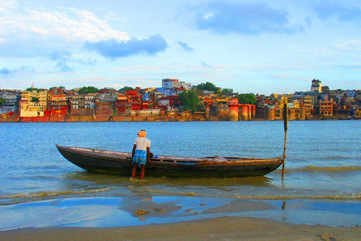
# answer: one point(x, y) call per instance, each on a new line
point(163, 117)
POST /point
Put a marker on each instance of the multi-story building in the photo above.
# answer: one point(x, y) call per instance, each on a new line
point(295, 110)
point(82, 104)
point(134, 99)
point(278, 107)
point(121, 104)
point(357, 113)
point(89, 101)
point(105, 106)
point(10, 99)
point(57, 104)
point(316, 86)
point(326, 108)
point(74, 100)
point(325, 89)
point(33, 103)
point(307, 107)
point(170, 83)
point(185, 86)
point(168, 103)
point(170, 86)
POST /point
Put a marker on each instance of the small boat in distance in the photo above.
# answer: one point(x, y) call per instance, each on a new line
point(94, 160)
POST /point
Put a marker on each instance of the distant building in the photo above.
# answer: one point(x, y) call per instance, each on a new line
point(33, 103)
point(168, 102)
point(278, 107)
point(326, 108)
point(170, 86)
point(295, 110)
point(105, 105)
point(134, 99)
point(357, 113)
point(82, 104)
point(325, 89)
point(233, 109)
point(11, 99)
point(170, 83)
point(185, 86)
point(57, 104)
point(316, 86)
point(307, 107)
point(121, 104)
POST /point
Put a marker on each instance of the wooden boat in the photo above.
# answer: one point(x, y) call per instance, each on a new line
point(119, 162)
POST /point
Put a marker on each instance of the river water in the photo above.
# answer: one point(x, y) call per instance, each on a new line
point(39, 188)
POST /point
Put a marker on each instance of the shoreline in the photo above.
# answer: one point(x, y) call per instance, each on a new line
point(223, 228)
point(157, 121)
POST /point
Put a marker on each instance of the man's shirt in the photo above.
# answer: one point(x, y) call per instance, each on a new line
point(142, 143)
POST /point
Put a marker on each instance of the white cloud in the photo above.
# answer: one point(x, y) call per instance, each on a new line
point(350, 45)
point(38, 32)
point(208, 15)
point(65, 23)
point(7, 4)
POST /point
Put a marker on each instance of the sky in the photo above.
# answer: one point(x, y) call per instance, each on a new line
point(256, 46)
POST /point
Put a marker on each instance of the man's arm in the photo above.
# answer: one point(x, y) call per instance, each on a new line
point(133, 151)
point(148, 155)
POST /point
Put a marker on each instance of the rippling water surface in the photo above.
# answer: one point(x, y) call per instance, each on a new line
point(323, 160)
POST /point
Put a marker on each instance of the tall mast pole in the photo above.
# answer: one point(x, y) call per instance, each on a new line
point(285, 125)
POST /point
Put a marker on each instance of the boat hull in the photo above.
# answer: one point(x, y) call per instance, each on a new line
point(119, 163)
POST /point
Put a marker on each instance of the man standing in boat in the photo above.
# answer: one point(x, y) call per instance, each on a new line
point(140, 153)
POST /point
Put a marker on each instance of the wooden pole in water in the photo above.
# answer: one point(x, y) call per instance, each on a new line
point(285, 125)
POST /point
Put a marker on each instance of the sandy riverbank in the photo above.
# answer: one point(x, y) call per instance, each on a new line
point(225, 228)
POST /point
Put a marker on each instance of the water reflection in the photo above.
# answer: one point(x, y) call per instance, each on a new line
point(103, 179)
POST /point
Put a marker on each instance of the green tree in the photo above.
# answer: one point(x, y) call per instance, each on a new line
point(247, 98)
point(34, 89)
point(54, 87)
point(125, 88)
point(88, 89)
point(227, 91)
point(2, 101)
point(190, 100)
point(207, 86)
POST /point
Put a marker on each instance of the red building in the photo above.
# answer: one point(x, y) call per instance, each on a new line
point(248, 111)
point(121, 104)
point(57, 104)
point(134, 99)
point(103, 111)
point(234, 109)
point(168, 102)
point(104, 106)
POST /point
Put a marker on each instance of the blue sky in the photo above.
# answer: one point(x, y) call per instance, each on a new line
point(251, 46)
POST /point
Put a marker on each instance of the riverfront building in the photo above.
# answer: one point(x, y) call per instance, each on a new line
point(81, 104)
point(307, 107)
point(316, 86)
point(121, 104)
point(10, 99)
point(164, 104)
point(104, 105)
point(57, 104)
point(33, 105)
point(326, 108)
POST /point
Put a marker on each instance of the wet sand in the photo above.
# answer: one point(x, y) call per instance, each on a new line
point(220, 229)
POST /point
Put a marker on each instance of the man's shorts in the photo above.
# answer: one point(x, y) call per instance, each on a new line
point(140, 157)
